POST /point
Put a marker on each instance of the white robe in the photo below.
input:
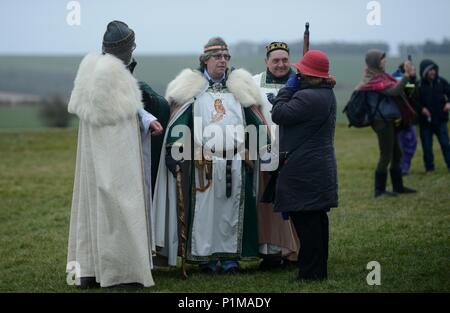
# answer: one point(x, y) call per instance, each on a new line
point(218, 220)
point(187, 87)
point(109, 236)
point(281, 231)
point(145, 119)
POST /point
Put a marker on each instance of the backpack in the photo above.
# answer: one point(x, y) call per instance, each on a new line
point(358, 110)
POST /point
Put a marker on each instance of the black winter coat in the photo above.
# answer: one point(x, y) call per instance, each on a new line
point(308, 181)
point(432, 95)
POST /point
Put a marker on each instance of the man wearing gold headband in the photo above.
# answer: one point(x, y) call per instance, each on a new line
point(219, 190)
point(279, 243)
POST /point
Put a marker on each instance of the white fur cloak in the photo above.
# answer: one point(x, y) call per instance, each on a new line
point(190, 83)
point(109, 237)
point(180, 94)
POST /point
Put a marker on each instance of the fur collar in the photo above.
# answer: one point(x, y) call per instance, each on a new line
point(190, 83)
point(105, 92)
point(187, 85)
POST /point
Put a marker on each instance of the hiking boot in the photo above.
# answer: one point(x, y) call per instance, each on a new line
point(380, 185)
point(208, 268)
point(270, 263)
point(285, 263)
point(230, 267)
point(232, 270)
point(397, 182)
point(88, 282)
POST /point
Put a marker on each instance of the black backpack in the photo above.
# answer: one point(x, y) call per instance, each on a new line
point(358, 110)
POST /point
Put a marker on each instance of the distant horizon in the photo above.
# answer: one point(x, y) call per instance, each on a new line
point(179, 27)
point(393, 52)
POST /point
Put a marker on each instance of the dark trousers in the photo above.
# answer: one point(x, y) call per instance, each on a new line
point(388, 143)
point(312, 231)
point(426, 136)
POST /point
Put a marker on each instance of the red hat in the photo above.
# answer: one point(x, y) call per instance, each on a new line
point(314, 63)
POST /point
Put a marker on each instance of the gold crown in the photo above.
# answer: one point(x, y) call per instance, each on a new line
point(276, 46)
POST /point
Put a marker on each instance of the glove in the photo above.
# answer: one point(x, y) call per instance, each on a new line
point(171, 163)
point(293, 83)
point(271, 98)
point(132, 65)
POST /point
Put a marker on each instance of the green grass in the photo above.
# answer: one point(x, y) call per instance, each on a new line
point(408, 236)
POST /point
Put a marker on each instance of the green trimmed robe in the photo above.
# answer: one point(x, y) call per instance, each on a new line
point(247, 233)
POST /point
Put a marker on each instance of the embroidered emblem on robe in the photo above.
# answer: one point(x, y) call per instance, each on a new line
point(219, 111)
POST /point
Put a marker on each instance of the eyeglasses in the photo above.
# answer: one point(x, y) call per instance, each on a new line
point(219, 56)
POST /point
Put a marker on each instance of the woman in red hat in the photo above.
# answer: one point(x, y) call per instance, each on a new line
point(305, 111)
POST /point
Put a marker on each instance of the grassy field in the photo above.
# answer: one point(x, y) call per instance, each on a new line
point(50, 75)
point(25, 118)
point(408, 236)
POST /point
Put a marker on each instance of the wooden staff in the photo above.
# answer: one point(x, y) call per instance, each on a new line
point(181, 224)
point(306, 39)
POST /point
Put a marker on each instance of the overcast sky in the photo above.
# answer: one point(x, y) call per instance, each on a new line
point(184, 26)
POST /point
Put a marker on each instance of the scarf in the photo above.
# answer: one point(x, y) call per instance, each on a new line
point(375, 80)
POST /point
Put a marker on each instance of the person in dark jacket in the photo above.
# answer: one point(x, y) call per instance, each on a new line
point(434, 105)
point(305, 111)
point(385, 95)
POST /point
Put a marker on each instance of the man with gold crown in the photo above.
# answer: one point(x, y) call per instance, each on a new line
point(206, 201)
point(279, 243)
point(278, 69)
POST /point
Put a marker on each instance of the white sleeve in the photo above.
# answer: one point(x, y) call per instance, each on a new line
point(146, 119)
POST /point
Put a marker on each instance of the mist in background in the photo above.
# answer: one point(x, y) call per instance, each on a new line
point(183, 27)
point(42, 42)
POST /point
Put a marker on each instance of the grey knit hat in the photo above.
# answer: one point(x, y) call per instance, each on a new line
point(118, 40)
point(373, 59)
point(213, 45)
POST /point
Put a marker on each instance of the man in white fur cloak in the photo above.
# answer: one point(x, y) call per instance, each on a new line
point(110, 236)
point(219, 190)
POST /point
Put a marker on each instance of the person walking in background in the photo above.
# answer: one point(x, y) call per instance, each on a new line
point(407, 136)
point(384, 97)
point(434, 105)
point(307, 185)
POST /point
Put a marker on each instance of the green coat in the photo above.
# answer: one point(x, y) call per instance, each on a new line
point(158, 107)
